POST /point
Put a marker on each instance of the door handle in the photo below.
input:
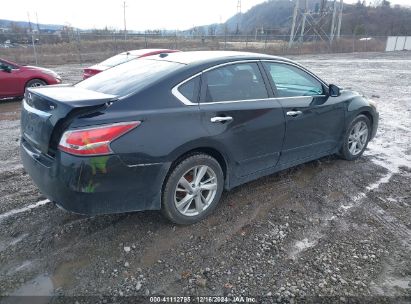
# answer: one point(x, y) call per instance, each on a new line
point(294, 113)
point(221, 119)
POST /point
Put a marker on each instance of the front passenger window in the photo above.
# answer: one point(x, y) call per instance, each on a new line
point(291, 81)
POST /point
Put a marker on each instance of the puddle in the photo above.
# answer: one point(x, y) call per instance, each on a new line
point(64, 275)
point(40, 290)
point(27, 208)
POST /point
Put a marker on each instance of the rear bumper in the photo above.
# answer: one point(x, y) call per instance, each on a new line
point(95, 185)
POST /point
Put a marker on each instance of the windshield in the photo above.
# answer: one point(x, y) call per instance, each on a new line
point(118, 59)
point(129, 77)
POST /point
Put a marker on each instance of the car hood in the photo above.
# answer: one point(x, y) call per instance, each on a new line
point(44, 70)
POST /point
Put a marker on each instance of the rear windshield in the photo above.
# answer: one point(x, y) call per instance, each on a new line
point(118, 59)
point(129, 77)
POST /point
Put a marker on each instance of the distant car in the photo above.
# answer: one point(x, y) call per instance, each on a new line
point(15, 78)
point(122, 58)
point(172, 132)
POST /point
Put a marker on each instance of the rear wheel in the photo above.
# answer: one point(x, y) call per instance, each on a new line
point(35, 83)
point(356, 138)
point(193, 189)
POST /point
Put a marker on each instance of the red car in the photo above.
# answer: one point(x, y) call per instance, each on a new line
point(122, 58)
point(15, 78)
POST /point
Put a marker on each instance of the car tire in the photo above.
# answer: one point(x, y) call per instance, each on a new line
point(356, 138)
point(192, 189)
point(35, 83)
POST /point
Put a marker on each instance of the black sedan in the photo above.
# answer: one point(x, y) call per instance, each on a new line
point(171, 132)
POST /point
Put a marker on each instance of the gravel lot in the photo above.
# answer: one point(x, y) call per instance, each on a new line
point(328, 228)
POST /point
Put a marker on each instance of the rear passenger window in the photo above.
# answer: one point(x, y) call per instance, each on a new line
point(242, 81)
point(190, 89)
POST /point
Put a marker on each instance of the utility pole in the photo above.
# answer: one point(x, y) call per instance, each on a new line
point(238, 16)
point(124, 15)
point(290, 43)
point(340, 19)
point(28, 17)
point(37, 20)
point(333, 22)
point(304, 19)
point(32, 39)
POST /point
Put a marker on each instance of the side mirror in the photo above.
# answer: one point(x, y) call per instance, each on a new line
point(333, 90)
point(5, 68)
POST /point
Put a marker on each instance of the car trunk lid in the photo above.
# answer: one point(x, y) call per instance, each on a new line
point(46, 108)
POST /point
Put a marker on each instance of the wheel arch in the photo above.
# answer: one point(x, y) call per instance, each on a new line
point(211, 151)
point(369, 116)
point(35, 78)
point(359, 106)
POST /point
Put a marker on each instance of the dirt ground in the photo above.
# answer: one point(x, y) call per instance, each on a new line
point(332, 229)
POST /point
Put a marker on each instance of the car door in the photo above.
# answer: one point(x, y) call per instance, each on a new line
point(9, 81)
point(240, 114)
point(314, 120)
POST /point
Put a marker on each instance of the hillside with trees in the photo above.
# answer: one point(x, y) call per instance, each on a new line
point(275, 16)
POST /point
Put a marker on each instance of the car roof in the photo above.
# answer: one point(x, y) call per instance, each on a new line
point(196, 57)
point(147, 51)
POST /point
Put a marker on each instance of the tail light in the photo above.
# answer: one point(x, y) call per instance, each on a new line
point(94, 141)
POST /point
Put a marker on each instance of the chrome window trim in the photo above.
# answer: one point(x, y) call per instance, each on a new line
point(180, 96)
point(298, 67)
point(187, 102)
point(263, 99)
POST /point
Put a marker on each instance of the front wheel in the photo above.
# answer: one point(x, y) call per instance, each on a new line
point(193, 189)
point(34, 83)
point(356, 138)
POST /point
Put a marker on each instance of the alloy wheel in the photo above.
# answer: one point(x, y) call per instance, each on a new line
point(36, 84)
point(358, 138)
point(195, 190)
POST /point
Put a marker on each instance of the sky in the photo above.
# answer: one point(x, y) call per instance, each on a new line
point(140, 14)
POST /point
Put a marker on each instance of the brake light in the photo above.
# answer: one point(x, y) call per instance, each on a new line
point(94, 141)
